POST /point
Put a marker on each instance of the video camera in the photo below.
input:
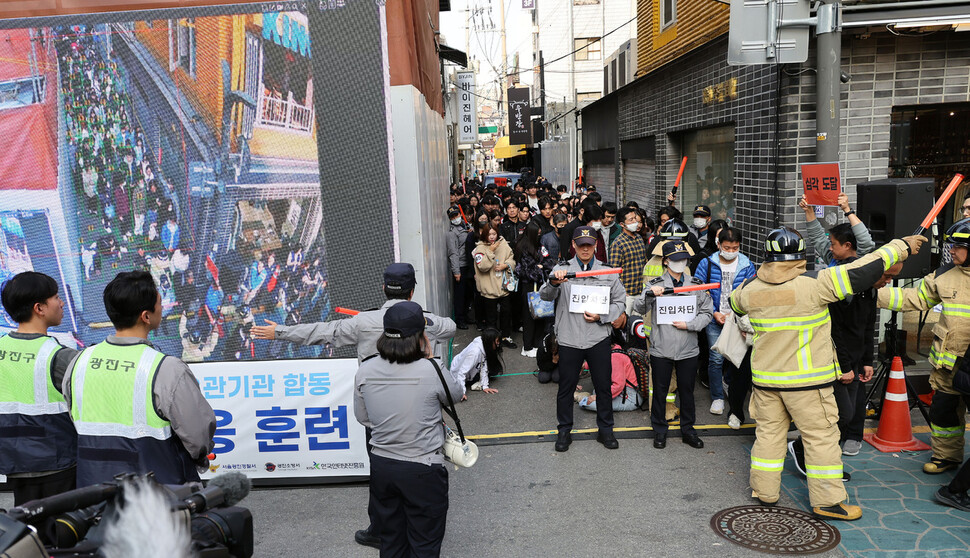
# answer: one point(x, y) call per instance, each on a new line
point(80, 522)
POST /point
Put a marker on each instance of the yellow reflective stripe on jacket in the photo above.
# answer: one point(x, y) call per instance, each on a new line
point(840, 279)
point(823, 471)
point(671, 397)
point(958, 310)
point(889, 256)
point(947, 431)
point(653, 270)
point(818, 375)
point(895, 299)
point(797, 324)
point(805, 350)
point(941, 358)
point(734, 306)
point(770, 465)
point(925, 295)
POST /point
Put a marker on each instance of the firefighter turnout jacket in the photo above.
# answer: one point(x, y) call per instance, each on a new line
point(949, 285)
point(793, 346)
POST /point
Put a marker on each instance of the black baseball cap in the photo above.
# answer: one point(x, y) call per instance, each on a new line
point(584, 236)
point(702, 210)
point(405, 319)
point(399, 278)
point(675, 250)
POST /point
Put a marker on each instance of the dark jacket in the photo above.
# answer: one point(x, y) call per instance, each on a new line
point(549, 242)
point(853, 329)
point(511, 232)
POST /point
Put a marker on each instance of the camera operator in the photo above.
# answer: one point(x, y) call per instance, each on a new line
point(136, 409)
point(399, 396)
point(37, 439)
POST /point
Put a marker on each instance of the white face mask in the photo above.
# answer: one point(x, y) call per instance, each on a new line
point(456, 221)
point(700, 222)
point(678, 266)
point(729, 256)
point(596, 225)
point(632, 227)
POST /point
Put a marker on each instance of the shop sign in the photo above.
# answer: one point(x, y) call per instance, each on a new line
point(287, 31)
point(718, 93)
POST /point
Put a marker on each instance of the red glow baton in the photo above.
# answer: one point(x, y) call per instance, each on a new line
point(683, 164)
point(947, 194)
point(347, 311)
point(687, 289)
point(594, 272)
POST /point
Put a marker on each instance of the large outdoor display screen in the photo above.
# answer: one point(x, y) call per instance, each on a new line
point(183, 142)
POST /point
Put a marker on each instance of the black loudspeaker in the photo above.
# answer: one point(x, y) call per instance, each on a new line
point(894, 208)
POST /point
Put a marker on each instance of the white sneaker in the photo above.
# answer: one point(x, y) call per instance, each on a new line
point(532, 353)
point(524, 352)
point(734, 422)
point(477, 386)
point(717, 407)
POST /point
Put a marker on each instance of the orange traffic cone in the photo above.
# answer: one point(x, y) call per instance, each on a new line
point(895, 432)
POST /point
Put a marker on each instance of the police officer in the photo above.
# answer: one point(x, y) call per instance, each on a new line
point(673, 229)
point(793, 363)
point(674, 346)
point(38, 442)
point(584, 336)
point(409, 481)
point(136, 410)
point(950, 285)
point(363, 330)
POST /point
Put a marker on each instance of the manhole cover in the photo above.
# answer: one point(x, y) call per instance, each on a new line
point(775, 530)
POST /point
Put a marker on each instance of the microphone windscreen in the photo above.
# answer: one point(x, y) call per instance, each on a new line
point(235, 486)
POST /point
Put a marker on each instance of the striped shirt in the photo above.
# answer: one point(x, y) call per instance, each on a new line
point(630, 253)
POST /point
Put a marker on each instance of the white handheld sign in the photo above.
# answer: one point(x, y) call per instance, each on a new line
point(589, 298)
point(672, 309)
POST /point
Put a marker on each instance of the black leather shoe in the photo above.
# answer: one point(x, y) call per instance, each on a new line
point(563, 440)
point(607, 438)
point(367, 537)
point(660, 441)
point(693, 441)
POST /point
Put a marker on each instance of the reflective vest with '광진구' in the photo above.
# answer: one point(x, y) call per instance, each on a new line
point(119, 430)
point(36, 433)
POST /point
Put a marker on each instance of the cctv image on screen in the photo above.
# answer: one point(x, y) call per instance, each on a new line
point(181, 142)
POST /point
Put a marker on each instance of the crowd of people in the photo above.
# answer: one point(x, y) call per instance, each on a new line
point(815, 335)
point(210, 300)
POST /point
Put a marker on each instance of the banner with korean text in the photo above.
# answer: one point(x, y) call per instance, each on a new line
point(285, 419)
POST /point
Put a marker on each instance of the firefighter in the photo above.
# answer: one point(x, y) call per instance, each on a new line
point(950, 284)
point(793, 364)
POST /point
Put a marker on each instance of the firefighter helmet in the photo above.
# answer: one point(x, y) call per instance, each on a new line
point(784, 244)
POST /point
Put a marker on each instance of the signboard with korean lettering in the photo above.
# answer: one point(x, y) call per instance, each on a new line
point(672, 309)
point(292, 419)
point(467, 113)
point(520, 116)
point(589, 298)
point(822, 183)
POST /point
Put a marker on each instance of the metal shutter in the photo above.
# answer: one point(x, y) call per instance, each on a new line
point(604, 178)
point(639, 176)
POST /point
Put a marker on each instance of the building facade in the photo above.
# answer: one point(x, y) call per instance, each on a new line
point(745, 130)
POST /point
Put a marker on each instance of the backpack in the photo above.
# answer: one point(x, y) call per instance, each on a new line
point(641, 366)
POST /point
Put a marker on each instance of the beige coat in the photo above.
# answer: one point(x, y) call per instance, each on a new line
point(488, 280)
point(793, 346)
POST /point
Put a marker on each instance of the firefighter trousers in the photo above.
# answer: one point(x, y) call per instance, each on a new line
point(947, 417)
point(816, 415)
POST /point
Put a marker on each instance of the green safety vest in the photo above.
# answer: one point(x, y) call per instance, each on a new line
point(111, 392)
point(35, 429)
point(21, 359)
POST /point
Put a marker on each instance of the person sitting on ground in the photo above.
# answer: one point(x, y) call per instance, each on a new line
point(626, 397)
point(478, 362)
point(547, 358)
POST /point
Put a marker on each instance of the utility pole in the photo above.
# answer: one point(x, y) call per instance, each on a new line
point(828, 102)
point(829, 73)
point(504, 65)
point(574, 137)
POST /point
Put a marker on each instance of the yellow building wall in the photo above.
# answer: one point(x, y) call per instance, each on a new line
point(697, 22)
point(217, 39)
